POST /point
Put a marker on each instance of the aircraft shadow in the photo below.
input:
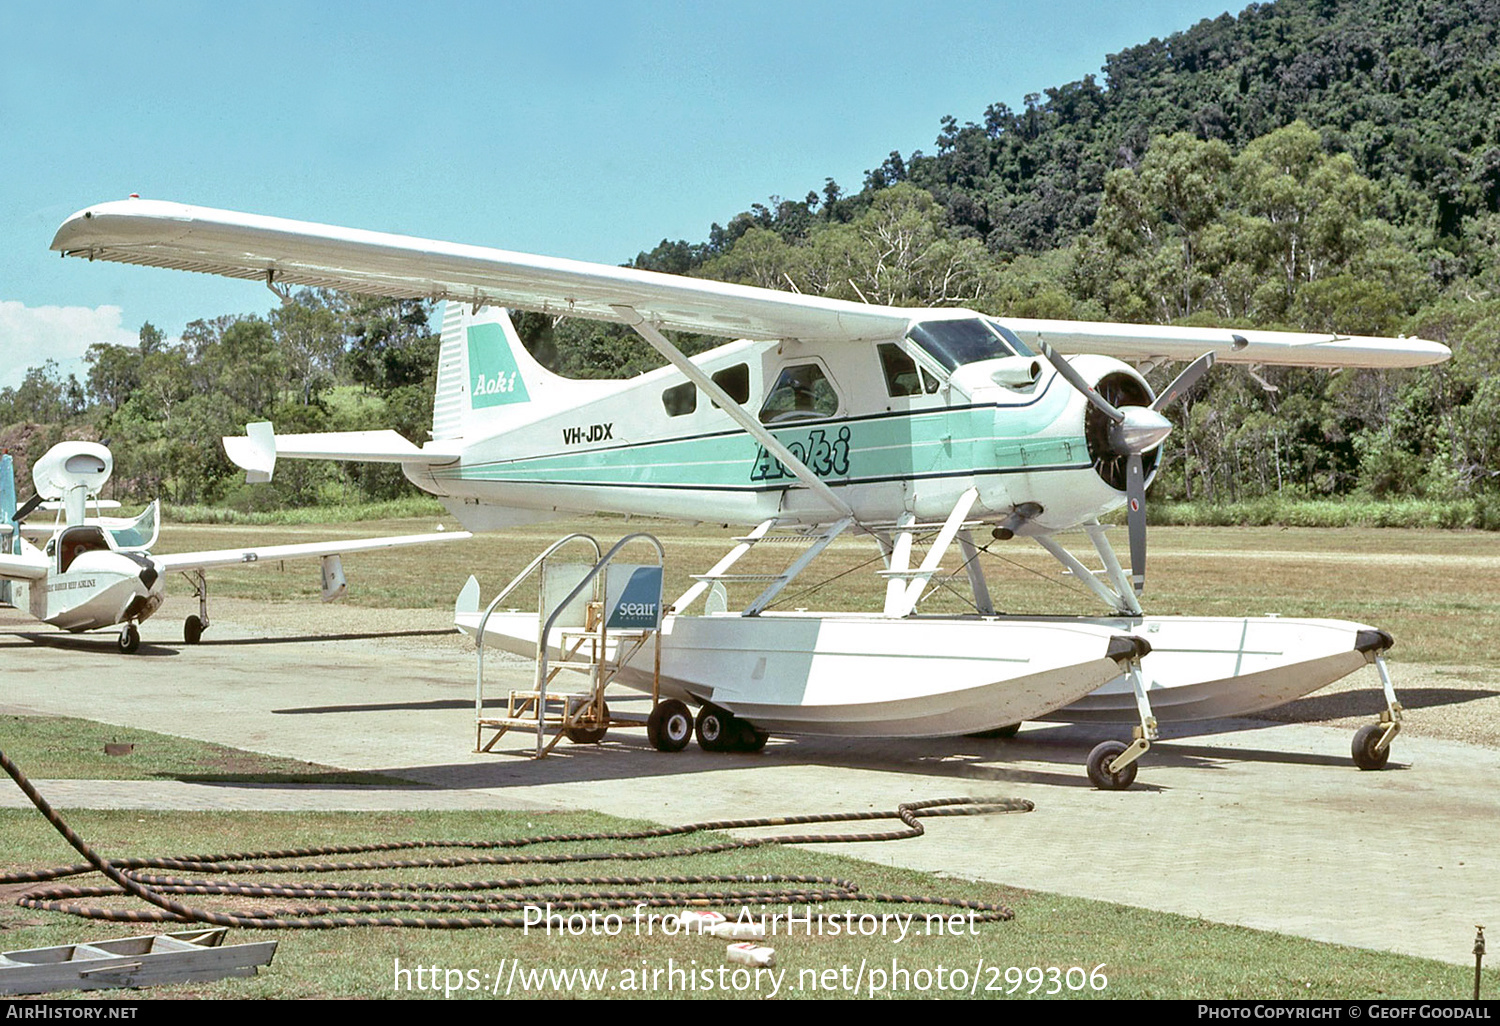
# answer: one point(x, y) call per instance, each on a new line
point(104, 641)
point(436, 704)
point(302, 638)
point(626, 754)
point(307, 781)
point(1370, 703)
point(91, 642)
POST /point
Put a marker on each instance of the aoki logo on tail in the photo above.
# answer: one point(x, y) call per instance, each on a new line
point(494, 379)
point(494, 386)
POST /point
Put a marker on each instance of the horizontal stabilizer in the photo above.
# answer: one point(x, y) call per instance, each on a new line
point(259, 448)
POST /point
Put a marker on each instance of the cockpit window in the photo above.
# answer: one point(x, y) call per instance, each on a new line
point(76, 541)
point(902, 375)
point(955, 343)
point(801, 392)
point(1014, 340)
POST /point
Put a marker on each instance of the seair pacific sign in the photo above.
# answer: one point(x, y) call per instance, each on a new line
point(632, 597)
point(494, 379)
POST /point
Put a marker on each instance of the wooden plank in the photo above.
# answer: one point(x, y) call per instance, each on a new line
point(186, 956)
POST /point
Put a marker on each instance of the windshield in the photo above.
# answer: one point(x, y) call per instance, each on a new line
point(955, 343)
point(1021, 348)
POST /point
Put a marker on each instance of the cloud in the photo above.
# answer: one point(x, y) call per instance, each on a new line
point(30, 336)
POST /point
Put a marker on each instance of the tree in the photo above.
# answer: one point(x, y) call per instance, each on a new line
point(114, 373)
point(307, 332)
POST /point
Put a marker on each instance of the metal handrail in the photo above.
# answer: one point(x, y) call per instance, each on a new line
point(485, 619)
point(546, 629)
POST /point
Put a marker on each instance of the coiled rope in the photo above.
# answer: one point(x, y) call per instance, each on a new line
point(448, 904)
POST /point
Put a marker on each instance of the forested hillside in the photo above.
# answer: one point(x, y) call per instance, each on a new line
point(1317, 164)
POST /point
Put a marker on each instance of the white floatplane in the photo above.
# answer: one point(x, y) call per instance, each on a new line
point(85, 573)
point(825, 417)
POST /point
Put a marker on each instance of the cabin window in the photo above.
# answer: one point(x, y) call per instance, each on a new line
point(735, 381)
point(680, 399)
point(956, 343)
point(802, 392)
point(902, 375)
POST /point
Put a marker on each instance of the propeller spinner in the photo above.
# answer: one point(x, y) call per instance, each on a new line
point(1134, 430)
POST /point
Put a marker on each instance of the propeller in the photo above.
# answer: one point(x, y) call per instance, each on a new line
point(27, 509)
point(1134, 431)
point(1184, 381)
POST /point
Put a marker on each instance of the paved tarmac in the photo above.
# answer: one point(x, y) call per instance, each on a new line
point(1258, 824)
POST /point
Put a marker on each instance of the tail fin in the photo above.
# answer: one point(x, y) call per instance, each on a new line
point(8, 502)
point(11, 541)
point(486, 377)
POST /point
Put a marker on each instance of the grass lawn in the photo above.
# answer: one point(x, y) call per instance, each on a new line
point(64, 748)
point(1112, 950)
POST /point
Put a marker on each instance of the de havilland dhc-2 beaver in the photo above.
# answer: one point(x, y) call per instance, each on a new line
point(822, 417)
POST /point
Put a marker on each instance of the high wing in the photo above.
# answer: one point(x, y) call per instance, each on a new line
point(283, 252)
point(280, 251)
point(1157, 342)
point(305, 550)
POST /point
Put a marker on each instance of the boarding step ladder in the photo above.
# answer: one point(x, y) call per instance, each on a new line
point(713, 582)
point(597, 616)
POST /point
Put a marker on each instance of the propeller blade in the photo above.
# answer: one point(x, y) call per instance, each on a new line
point(27, 508)
point(1072, 377)
point(1135, 498)
point(1184, 381)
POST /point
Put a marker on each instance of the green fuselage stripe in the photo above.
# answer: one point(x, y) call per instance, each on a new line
point(920, 444)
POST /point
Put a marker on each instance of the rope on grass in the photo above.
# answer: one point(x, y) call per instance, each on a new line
point(466, 904)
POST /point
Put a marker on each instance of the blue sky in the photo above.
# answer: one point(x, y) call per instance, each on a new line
point(575, 129)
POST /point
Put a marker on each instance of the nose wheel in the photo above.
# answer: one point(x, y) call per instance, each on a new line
point(1372, 743)
point(1371, 750)
point(1102, 758)
point(1111, 766)
point(129, 639)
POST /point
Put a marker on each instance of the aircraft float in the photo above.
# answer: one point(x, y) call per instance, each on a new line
point(822, 417)
point(86, 573)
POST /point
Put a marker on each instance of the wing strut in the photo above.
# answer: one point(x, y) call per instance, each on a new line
point(737, 413)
